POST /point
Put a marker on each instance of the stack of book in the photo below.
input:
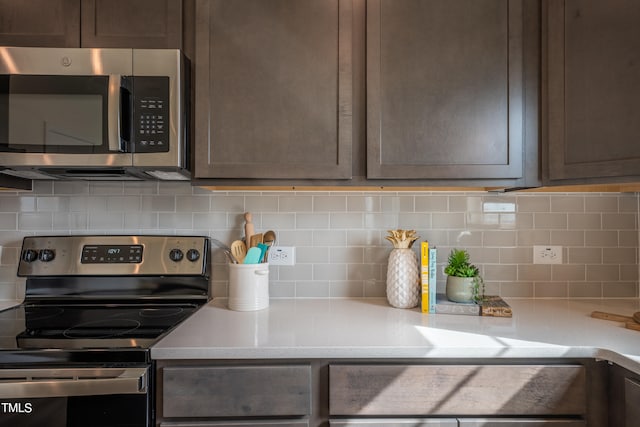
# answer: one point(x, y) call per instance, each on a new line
point(428, 258)
point(432, 302)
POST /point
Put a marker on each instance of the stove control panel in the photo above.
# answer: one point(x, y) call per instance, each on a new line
point(108, 254)
point(113, 255)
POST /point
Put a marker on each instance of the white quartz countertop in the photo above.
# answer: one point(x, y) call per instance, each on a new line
point(371, 328)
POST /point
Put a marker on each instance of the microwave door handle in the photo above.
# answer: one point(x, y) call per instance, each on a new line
point(129, 381)
point(113, 115)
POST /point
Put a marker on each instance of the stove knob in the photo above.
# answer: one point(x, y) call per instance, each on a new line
point(29, 255)
point(47, 255)
point(193, 255)
point(176, 255)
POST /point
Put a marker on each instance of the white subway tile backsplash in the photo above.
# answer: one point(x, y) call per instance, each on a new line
point(192, 203)
point(331, 203)
point(346, 220)
point(339, 236)
point(621, 221)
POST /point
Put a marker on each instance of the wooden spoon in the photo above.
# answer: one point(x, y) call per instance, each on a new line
point(269, 238)
point(238, 250)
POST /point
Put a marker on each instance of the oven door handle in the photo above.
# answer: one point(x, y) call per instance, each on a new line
point(34, 383)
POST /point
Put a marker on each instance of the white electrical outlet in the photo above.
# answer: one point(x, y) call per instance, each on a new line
point(282, 255)
point(547, 254)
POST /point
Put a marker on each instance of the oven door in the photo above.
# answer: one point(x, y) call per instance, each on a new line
point(73, 397)
point(65, 107)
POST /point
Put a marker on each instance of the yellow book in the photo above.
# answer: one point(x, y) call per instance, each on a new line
point(424, 275)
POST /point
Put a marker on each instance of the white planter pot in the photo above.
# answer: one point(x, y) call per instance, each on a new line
point(460, 289)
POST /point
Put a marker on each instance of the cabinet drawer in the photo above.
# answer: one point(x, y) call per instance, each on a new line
point(519, 422)
point(236, 391)
point(390, 422)
point(252, 423)
point(457, 390)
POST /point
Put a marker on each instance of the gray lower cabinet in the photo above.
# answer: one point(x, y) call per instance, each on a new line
point(266, 423)
point(461, 422)
point(591, 91)
point(264, 395)
point(631, 401)
point(389, 393)
point(516, 422)
point(273, 89)
point(446, 89)
point(402, 422)
point(623, 397)
point(457, 390)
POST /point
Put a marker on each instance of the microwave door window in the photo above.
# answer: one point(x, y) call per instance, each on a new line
point(55, 120)
point(55, 114)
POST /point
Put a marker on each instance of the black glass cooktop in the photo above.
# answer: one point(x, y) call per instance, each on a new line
point(94, 326)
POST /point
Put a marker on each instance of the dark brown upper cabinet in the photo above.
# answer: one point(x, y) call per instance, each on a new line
point(592, 91)
point(446, 89)
point(92, 23)
point(137, 24)
point(42, 23)
point(273, 89)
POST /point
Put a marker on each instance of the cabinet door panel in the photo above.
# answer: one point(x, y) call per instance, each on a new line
point(457, 390)
point(593, 88)
point(273, 89)
point(236, 391)
point(132, 24)
point(632, 402)
point(43, 23)
point(445, 89)
point(244, 423)
point(519, 422)
point(407, 422)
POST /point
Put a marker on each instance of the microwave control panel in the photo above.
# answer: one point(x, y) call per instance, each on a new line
point(151, 114)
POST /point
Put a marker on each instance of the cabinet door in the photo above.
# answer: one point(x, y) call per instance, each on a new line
point(132, 24)
point(273, 89)
point(445, 89)
point(457, 390)
point(243, 423)
point(242, 391)
point(631, 402)
point(593, 89)
point(42, 23)
point(519, 422)
point(405, 422)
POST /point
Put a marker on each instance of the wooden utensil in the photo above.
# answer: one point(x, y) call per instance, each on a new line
point(630, 322)
point(238, 250)
point(255, 239)
point(249, 229)
point(269, 239)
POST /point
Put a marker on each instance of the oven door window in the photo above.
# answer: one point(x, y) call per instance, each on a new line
point(75, 397)
point(58, 114)
point(80, 411)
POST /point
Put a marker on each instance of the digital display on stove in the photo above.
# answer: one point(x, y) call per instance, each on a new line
point(111, 254)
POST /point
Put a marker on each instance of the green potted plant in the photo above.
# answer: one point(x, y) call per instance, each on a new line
point(464, 283)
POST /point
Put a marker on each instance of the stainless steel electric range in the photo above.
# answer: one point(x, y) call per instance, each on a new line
point(78, 348)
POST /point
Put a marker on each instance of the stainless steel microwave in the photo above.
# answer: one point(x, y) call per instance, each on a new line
point(94, 114)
